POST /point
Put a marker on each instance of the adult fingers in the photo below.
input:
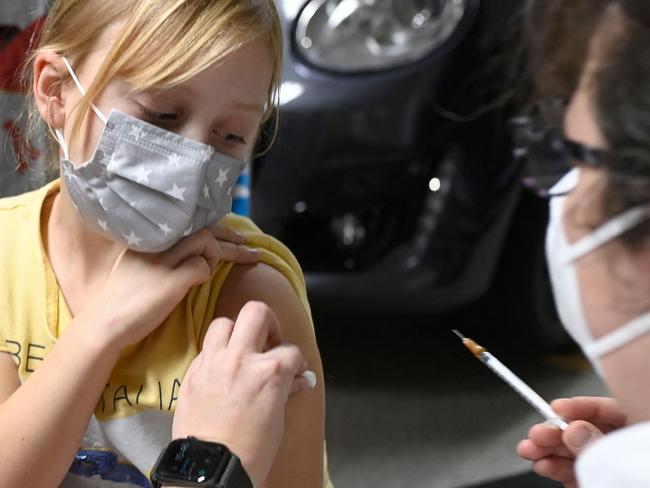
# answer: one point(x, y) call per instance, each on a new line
point(218, 334)
point(556, 468)
point(302, 383)
point(284, 363)
point(527, 449)
point(597, 410)
point(545, 435)
point(580, 434)
point(256, 329)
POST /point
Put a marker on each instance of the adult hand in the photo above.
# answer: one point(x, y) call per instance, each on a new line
point(236, 389)
point(143, 288)
point(554, 451)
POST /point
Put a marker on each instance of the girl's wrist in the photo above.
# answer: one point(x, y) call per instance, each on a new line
point(97, 336)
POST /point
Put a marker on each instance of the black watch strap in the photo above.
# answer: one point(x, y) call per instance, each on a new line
point(235, 475)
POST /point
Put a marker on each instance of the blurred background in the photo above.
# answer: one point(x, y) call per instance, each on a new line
point(392, 179)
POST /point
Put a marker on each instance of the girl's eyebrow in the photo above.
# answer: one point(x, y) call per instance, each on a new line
point(241, 106)
point(256, 108)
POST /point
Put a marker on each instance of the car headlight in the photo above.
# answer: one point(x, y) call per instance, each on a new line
point(372, 35)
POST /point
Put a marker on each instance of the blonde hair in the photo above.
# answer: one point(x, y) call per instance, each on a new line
point(162, 43)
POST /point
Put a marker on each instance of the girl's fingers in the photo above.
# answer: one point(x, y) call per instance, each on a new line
point(236, 253)
point(203, 243)
point(192, 272)
point(225, 233)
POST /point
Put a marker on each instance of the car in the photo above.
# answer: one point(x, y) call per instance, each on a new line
point(391, 177)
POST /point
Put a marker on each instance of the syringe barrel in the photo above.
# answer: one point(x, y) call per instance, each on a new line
point(526, 392)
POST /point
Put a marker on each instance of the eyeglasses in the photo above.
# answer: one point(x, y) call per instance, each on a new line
point(543, 151)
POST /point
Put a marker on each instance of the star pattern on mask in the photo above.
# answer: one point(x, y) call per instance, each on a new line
point(175, 160)
point(206, 192)
point(142, 174)
point(136, 132)
point(177, 192)
point(132, 239)
point(103, 224)
point(223, 176)
point(165, 228)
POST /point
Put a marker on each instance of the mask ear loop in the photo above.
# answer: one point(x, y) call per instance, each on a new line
point(619, 337)
point(102, 117)
point(62, 143)
point(607, 232)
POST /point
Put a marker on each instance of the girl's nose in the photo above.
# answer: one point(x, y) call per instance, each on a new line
point(197, 132)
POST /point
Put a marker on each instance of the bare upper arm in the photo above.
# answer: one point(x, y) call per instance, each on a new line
point(9, 380)
point(264, 283)
point(299, 463)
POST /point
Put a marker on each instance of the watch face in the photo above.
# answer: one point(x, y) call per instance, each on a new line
point(191, 460)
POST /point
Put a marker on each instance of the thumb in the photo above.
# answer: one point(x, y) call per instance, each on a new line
point(580, 434)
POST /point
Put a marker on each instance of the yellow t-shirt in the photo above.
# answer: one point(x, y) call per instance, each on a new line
point(132, 421)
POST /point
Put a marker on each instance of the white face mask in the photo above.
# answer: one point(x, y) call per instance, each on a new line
point(562, 256)
point(147, 187)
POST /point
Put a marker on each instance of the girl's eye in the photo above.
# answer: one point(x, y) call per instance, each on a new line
point(160, 117)
point(234, 138)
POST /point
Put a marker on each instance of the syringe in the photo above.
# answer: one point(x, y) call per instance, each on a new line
point(526, 392)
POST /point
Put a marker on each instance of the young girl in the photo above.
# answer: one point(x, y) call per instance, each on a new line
point(112, 274)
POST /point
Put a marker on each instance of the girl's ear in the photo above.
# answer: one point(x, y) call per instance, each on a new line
point(48, 84)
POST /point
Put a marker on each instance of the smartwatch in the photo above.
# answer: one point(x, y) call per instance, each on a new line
point(192, 462)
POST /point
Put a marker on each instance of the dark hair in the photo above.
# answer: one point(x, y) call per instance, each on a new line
point(561, 33)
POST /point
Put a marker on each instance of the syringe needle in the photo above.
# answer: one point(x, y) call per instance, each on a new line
point(475, 348)
point(513, 380)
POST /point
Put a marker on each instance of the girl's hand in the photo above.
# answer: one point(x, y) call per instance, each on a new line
point(553, 452)
point(143, 289)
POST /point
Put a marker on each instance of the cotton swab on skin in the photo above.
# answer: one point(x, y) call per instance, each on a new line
point(310, 376)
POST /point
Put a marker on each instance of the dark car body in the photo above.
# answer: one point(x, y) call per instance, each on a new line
point(347, 184)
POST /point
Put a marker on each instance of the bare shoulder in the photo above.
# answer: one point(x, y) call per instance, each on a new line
point(262, 282)
point(9, 380)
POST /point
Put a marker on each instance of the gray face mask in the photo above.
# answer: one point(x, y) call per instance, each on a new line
point(147, 187)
